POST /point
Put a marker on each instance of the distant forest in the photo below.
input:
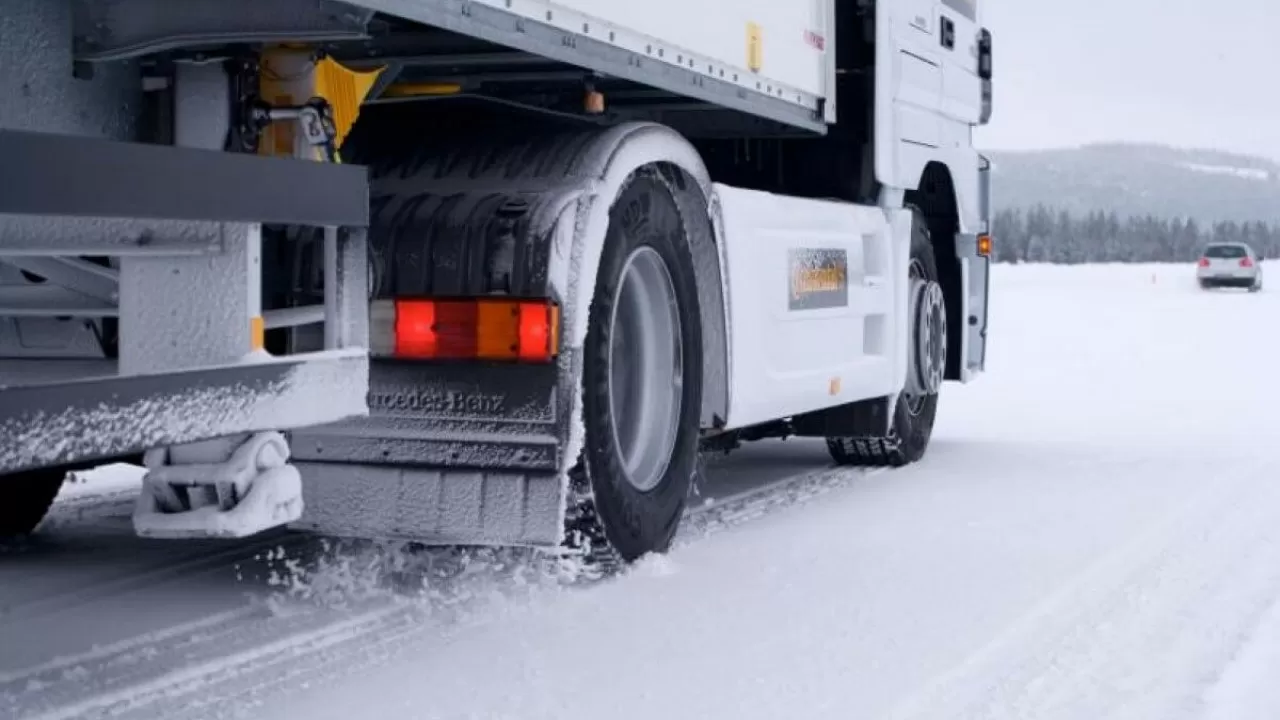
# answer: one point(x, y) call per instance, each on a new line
point(1051, 235)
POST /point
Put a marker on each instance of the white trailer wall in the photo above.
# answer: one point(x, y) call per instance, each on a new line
point(790, 41)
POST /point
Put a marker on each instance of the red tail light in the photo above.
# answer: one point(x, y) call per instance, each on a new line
point(468, 329)
point(1204, 262)
point(1246, 262)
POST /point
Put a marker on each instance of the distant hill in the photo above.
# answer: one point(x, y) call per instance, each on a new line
point(1135, 179)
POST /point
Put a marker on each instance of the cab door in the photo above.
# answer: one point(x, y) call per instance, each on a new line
point(909, 89)
point(960, 49)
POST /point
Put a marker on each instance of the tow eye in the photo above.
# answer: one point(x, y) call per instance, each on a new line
point(226, 488)
point(928, 351)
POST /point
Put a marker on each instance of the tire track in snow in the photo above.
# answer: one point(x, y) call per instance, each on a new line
point(226, 687)
point(207, 657)
point(1141, 632)
point(735, 509)
point(1247, 690)
point(117, 650)
point(199, 561)
point(352, 652)
point(191, 671)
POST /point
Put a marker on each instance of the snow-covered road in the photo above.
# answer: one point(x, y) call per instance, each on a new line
point(1092, 534)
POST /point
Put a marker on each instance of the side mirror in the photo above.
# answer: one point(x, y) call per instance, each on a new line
point(984, 74)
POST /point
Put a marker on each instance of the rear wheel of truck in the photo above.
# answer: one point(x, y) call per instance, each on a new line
point(642, 381)
point(25, 498)
point(917, 405)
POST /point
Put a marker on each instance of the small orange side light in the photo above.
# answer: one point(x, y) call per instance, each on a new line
point(984, 245)
point(257, 333)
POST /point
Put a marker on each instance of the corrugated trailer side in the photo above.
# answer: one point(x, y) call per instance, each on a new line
point(771, 59)
point(776, 48)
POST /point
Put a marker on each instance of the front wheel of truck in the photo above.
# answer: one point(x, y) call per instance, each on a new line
point(912, 424)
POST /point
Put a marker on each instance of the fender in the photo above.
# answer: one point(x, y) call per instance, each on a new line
point(951, 193)
point(622, 151)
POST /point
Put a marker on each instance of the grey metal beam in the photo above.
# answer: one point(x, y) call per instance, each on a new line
point(50, 301)
point(293, 316)
point(52, 235)
point(118, 29)
point(80, 276)
point(49, 174)
point(66, 422)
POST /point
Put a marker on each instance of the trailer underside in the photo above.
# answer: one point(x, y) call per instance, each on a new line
point(522, 53)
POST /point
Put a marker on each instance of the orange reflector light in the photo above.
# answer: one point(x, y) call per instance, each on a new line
point(984, 245)
point(257, 333)
point(476, 329)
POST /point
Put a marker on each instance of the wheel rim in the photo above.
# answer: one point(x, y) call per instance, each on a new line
point(646, 368)
point(927, 361)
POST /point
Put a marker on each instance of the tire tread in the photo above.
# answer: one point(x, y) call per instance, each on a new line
point(29, 497)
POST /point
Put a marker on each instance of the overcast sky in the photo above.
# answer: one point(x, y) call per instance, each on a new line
point(1203, 73)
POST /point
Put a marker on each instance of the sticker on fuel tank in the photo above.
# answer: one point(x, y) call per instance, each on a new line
point(819, 278)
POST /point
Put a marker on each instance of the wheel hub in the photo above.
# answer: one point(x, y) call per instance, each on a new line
point(646, 369)
point(928, 342)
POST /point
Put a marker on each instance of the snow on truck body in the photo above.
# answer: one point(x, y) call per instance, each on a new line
point(593, 237)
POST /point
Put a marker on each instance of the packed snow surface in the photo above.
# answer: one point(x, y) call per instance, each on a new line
point(1092, 534)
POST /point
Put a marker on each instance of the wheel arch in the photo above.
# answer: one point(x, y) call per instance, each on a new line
point(936, 199)
point(694, 203)
point(635, 148)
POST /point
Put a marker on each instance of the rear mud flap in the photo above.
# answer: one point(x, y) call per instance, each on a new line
point(450, 454)
point(432, 505)
point(975, 285)
point(977, 273)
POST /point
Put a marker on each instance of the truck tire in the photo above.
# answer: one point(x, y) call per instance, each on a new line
point(26, 498)
point(642, 382)
point(917, 405)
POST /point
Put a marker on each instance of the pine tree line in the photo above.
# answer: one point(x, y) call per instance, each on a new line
point(1050, 235)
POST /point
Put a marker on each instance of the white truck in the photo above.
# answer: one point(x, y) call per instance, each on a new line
point(478, 271)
